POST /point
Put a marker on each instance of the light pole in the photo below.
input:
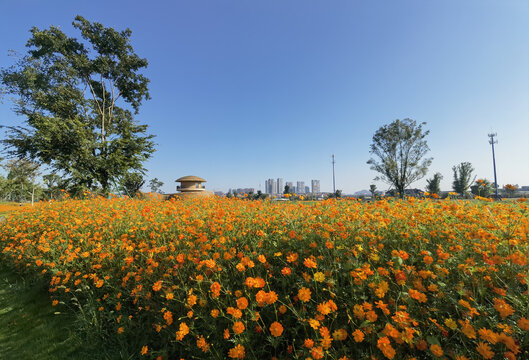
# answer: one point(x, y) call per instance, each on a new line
point(333, 182)
point(492, 142)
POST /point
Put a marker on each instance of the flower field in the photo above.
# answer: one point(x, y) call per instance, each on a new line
point(227, 278)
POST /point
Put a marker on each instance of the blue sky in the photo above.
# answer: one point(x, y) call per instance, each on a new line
point(243, 91)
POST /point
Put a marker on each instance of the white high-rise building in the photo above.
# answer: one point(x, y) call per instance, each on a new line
point(315, 184)
point(270, 186)
point(300, 187)
point(280, 186)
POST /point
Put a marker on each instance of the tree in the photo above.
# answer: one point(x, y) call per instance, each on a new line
point(287, 190)
point(483, 188)
point(399, 149)
point(462, 178)
point(156, 185)
point(54, 185)
point(373, 190)
point(131, 183)
point(21, 180)
point(433, 185)
point(70, 92)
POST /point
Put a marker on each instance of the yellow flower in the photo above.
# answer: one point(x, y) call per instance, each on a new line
point(451, 323)
point(319, 276)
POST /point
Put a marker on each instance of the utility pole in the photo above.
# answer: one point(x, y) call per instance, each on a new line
point(333, 181)
point(492, 142)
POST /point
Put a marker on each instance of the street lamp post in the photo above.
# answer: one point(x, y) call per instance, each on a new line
point(492, 142)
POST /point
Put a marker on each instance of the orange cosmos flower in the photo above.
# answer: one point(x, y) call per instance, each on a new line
point(436, 350)
point(276, 329)
point(144, 350)
point(310, 263)
point(358, 335)
point(182, 331)
point(308, 343)
point(523, 324)
point(484, 350)
point(339, 335)
point(304, 294)
point(384, 345)
point(238, 327)
point(503, 308)
point(286, 271)
point(215, 289)
point(237, 352)
point(202, 344)
point(157, 285)
point(242, 303)
point(168, 316)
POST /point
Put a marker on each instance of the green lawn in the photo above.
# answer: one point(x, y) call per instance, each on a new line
point(30, 328)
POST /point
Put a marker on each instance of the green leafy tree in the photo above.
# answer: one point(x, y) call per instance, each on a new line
point(53, 186)
point(399, 149)
point(373, 190)
point(433, 185)
point(286, 190)
point(21, 180)
point(483, 188)
point(156, 185)
point(131, 183)
point(462, 178)
point(71, 93)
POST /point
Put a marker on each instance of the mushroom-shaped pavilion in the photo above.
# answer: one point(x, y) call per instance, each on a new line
point(191, 186)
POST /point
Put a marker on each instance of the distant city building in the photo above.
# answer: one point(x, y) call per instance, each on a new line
point(280, 186)
point(315, 184)
point(270, 186)
point(242, 191)
point(307, 190)
point(300, 188)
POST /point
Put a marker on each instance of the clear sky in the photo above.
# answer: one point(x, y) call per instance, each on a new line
point(243, 91)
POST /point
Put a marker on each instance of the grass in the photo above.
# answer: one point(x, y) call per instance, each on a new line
point(30, 328)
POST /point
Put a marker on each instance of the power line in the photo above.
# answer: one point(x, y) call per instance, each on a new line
point(492, 142)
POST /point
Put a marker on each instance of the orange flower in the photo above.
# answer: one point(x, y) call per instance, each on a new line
point(276, 329)
point(308, 343)
point(215, 289)
point(304, 294)
point(286, 271)
point(358, 335)
point(157, 285)
point(339, 335)
point(238, 327)
point(484, 350)
point(237, 352)
point(202, 344)
point(182, 331)
point(436, 350)
point(523, 324)
point(168, 316)
point(215, 313)
point(144, 350)
point(310, 263)
point(503, 308)
point(242, 303)
point(384, 345)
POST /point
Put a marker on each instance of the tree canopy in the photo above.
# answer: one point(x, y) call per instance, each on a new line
point(463, 178)
point(399, 149)
point(433, 185)
point(72, 94)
